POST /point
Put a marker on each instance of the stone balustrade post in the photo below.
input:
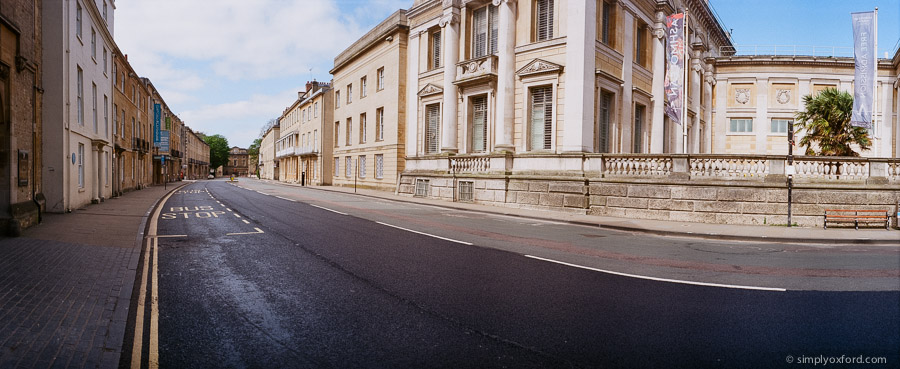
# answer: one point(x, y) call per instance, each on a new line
point(878, 171)
point(681, 168)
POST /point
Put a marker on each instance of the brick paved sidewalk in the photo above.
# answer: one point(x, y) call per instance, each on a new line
point(66, 284)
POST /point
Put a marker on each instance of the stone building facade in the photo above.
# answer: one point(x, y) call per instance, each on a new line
point(21, 90)
point(77, 141)
point(370, 105)
point(238, 163)
point(196, 155)
point(168, 161)
point(131, 128)
point(301, 150)
point(267, 162)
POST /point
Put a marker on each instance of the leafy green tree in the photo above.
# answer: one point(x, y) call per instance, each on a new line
point(218, 151)
point(826, 121)
point(253, 152)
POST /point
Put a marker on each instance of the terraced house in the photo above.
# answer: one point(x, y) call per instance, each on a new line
point(370, 105)
point(302, 154)
point(131, 119)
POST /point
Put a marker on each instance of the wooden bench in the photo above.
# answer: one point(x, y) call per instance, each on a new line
point(857, 216)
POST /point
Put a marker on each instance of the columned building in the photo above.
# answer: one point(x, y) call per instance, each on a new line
point(370, 107)
point(288, 141)
point(77, 141)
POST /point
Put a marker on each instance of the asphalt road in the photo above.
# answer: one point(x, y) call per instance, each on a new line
point(279, 276)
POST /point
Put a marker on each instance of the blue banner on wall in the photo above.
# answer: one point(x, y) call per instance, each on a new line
point(163, 141)
point(866, 63)
point(157, 117)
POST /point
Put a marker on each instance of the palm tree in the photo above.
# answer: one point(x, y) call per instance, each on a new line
point(827, 123)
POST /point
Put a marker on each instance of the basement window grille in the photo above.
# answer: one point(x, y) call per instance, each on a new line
point(466, 191)
point(422, 187)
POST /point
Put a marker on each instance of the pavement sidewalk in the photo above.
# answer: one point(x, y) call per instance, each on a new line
point(66, 284)
point(834, 236)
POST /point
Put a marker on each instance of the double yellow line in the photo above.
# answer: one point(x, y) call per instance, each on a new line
point(150, 271)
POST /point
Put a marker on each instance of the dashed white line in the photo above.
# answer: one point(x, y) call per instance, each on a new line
point(425, 234)
point(660, 279)
point(246, 221)
point(333, 211)
point(257, 232)
point(228, 209)
point(237, 215)
point(285, 198)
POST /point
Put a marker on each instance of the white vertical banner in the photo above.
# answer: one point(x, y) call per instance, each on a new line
point(865, 59)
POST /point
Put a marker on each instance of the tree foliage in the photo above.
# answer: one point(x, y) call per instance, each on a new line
point(826, 121)
point(253, 151)
point(218, 150)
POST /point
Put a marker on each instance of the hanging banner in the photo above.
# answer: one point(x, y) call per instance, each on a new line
point(157, 116)
point(674, 83)
point(864, 57)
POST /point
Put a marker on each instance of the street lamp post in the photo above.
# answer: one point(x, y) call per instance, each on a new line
point(790, 170)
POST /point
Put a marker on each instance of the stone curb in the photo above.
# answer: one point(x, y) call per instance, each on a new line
point(657, 232)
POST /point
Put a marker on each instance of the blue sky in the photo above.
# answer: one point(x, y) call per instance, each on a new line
point(228, 66)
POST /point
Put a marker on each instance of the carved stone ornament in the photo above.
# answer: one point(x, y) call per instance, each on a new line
point(450, 19)
point(430, 89)
point(659, 32)
point(783, 96)
point(498, 2)
point(538, 66)
point(742, 95)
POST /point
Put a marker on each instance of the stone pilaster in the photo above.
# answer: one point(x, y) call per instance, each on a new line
point(412, 100)
point(709, 81)
point(761, 118)
point(450, 31)
point(578, 125)
point(696, 75)
point(506, 79)
point(657, 130)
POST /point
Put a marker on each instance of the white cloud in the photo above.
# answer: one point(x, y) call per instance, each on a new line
point(238, 121)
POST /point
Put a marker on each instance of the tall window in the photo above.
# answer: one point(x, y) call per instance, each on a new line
point(780, 125)
point(105, 61)
point(361, 164)
point(479, 124)
point(739, 125)
point(362, 128)
point(337, 99)
point(543, 20)
point(484, 31)
point(349, 94)
point(78, 19)
point(315, 139)
point(348, 167)
point(379, 166)
point(541, 117)
point(105, 115)
point(80, 92)
point(104, 11)
point(337, 134)
point(638, 128)
point(379, 124)
point(607, 28)
point(349, 131)
point(604, 121)
point(93, 44)
point(435, 50)
point(640, 45)
point(362, 87)
point(316, 109)
point(115, 119)
point(433, 113)
point(380, 78)
point(337, 167)
point(80, 165)
point(94, 105)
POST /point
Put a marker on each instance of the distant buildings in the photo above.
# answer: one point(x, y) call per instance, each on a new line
point(301, 145)
point(267, 163)
point(238, 163)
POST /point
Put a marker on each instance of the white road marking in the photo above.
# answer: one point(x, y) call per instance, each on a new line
point(258, 231)
point(168, 235)
point(228, 209)
point(285, 198)
point(660, 279)
point(237, 215)
point(425, 234)
point(245, 221)
point(333, 211)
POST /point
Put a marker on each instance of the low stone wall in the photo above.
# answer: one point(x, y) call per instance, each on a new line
point(676, 195)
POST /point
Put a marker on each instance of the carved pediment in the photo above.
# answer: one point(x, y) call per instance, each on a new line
point(430, 89)
point(538, 66)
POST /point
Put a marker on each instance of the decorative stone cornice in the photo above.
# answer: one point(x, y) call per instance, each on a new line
point(659, 32)
point(430, 89)
point(498, 2)
point(538, 66)
point(708, 78)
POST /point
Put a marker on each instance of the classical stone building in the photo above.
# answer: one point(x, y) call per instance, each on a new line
point(370, 105)
point(268, 168)
point(757, 97)
point(238, 163)
point(168, 163)
point(130, 126)
point(77, 109)
point(302, 150)
point(196, 155)
point(21, 91)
